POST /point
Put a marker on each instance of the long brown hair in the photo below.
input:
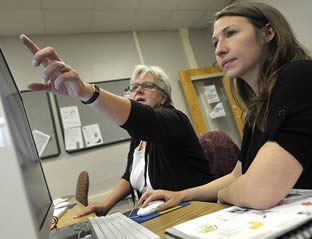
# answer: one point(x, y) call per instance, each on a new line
point(282, 49)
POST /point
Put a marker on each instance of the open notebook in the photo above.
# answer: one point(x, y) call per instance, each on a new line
point(239, 223)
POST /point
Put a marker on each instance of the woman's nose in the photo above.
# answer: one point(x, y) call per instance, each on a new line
point(139, 89)
point(221, 49)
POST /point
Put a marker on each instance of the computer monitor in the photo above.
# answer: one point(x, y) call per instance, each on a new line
point(26, 206)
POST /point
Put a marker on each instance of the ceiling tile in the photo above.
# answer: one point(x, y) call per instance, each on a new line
point(196, 4)
point(62, 21)
point(116, 4)
point(159, 4)
point(21, 4)
point(218, 5)
point(68, 4)
point(68, 16)
point(207, 18)
point(113, 20)
point(184, 19)
point(20, 21)
point(151, 19)
point(204, 21)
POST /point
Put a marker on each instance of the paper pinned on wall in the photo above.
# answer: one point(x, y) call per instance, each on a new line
point(41, 140)
point(218, 111)
point(92, 135)
point(73, 138)
point(127, 94)
point(211, 94)
point(70, 117)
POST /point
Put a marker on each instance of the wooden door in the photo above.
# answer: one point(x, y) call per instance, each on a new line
point(196, 84)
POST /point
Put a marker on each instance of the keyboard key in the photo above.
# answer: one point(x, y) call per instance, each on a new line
point(119, 226)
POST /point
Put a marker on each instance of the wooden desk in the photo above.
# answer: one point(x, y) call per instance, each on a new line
point(67, 218)
point(195, 209)
point(158, 224)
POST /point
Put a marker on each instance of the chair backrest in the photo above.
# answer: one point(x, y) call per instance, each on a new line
point(82, 188)
point(220, 151)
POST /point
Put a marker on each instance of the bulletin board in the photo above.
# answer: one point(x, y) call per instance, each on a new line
point(39, 113)
point(84, 128)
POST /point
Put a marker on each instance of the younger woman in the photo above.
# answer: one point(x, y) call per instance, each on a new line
point(272, 82)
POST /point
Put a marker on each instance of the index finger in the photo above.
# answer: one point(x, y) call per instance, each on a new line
point(143, 197)
point(82, 213)
point(33, 48)
point(30, 45)
point(151, 196)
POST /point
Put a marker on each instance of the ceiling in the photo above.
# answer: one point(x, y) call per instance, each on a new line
point(88, 16)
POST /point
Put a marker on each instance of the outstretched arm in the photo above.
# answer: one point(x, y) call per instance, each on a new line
point(59, 78)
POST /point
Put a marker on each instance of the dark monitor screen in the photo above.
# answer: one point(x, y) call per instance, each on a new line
point(29, 167)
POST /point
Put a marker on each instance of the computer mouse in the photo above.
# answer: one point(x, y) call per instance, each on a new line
point(150, 208)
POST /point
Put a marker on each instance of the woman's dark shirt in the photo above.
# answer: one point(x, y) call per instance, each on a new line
point(289, 121)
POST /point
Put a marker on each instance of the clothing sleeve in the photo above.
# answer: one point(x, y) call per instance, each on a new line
point(290, 118)
point(164, 126)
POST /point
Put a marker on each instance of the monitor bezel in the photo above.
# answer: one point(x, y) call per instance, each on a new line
point(16, 193)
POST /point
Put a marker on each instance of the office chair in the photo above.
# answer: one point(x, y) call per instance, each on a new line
point(220, 151)
point(82, 188)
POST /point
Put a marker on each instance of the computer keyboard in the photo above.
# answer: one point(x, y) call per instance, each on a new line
point(119, 226)
point(303, 231)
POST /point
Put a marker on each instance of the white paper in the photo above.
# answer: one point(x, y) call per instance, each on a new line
point(211, 94)
point(73, 138)
point(41, 140)
point(218, 111)
point(127, 94)
point(70, 117)
point(92, 135)
point(236, 222)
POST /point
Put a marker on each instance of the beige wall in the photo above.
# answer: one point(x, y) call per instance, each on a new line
point(109, 56)
point(98, 57)
point(298, 14)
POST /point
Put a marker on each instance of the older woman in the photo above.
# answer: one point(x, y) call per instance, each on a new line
point(164, 153)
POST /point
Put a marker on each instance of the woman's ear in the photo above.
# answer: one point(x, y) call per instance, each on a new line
point(269, 32)
point(163, 100)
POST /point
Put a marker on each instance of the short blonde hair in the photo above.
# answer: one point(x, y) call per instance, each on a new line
point(159, 74)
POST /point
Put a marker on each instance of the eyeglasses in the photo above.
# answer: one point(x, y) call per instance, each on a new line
point(147, 85)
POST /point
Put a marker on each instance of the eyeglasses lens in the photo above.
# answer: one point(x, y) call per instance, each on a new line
point(145, 85)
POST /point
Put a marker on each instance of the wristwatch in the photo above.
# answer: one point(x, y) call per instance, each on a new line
point(94, 96)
